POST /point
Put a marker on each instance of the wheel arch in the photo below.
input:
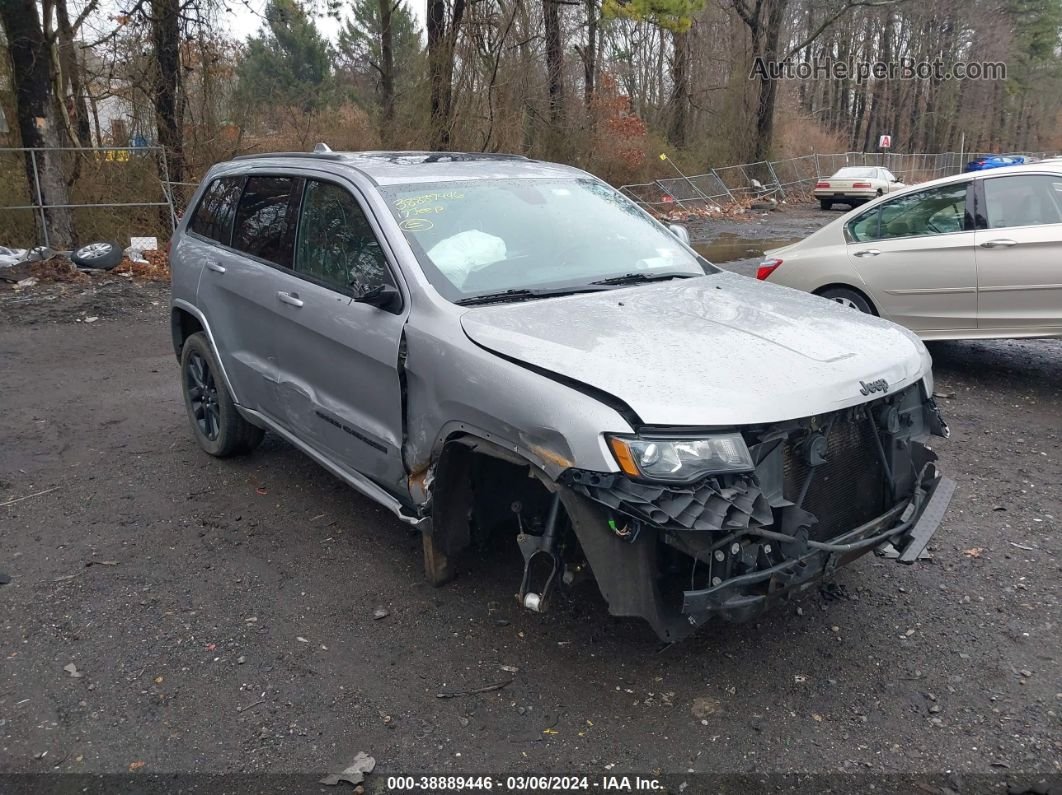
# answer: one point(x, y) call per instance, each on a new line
point(847, 286)
point(186, 320)
point(444, 491)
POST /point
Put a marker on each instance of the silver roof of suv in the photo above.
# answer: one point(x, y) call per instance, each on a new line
point(391, 168)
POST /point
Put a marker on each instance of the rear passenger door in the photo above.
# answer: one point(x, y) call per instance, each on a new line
point(1019, 252)
point(915, 253)
point(232, 293)
point(339, 382)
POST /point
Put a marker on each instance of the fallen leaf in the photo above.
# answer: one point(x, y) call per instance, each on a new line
point(705, 706)
point(136, 765)
point(973, 552)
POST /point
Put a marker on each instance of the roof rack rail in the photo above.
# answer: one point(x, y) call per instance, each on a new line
point(309, 155)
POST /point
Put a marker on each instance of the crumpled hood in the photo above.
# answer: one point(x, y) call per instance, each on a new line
point(715, 351)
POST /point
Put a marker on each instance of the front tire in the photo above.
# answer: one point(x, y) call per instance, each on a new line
point(849, 298)
point(825, 204)
point(216, 424)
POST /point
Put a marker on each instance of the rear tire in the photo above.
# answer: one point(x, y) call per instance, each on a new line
point(848, 298)
point(825, 204)
point(216, 423)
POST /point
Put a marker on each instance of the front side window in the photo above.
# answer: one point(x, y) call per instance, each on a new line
point(937, 211)
point(495, 235)
point(263, 228)
point(1021, 200)
point(336, 245)
point(213, 216)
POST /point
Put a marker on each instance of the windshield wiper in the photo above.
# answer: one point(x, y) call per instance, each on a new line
point(640, 278)
point(504, 296)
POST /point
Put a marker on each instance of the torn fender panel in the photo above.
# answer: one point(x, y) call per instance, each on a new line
point(452, 388)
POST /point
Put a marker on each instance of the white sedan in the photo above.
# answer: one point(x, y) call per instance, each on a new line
point(976, 255)
point(853, 185)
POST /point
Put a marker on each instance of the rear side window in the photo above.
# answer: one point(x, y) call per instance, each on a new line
point(336, 244)
point(937, 211)
point(264, 226)
point(1022, 200)
point(213, 216)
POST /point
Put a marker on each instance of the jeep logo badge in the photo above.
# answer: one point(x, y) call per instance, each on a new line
point(881, 385)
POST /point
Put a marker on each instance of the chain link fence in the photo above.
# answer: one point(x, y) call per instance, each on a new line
point(792, 179)
point(117, 192)
point(113, 193)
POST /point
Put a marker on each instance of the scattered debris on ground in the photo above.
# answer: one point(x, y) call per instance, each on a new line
point(354, 773)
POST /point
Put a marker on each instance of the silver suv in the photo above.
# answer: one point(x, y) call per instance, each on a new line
point(487, 344)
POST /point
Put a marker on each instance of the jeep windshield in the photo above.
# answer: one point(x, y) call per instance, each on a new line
point(514, 239)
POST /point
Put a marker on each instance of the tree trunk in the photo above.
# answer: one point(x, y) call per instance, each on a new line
point(166, 39)
point(590, 53)
point(554, 73)
point(37, 121)
point(387, 74)
point(680, 89)
point(440, 115)
point(768, 88)
point(71, 73)
point(441, 45)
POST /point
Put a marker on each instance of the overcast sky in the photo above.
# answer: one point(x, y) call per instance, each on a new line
point(245, 17)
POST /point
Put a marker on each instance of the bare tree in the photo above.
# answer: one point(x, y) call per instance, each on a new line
point(37, 117)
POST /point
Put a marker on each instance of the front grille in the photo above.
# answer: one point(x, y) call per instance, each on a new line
point(846, 491)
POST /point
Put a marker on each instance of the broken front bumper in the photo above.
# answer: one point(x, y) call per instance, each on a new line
point(908, 527)
point(825, 491)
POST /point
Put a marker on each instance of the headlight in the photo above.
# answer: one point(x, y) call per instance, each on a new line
point(681, 460)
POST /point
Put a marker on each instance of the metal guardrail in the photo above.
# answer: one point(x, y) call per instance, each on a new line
point(789, 177)
point(108, 154)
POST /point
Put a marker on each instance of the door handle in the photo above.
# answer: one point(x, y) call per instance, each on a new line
point(290, 298)
point(999, 242)
point(867, 252)
point(217, 267)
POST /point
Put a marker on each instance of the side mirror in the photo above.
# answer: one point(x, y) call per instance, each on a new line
point(382, 296)
point(681, 232)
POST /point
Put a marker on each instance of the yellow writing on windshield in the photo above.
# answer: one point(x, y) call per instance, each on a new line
point(426, 203)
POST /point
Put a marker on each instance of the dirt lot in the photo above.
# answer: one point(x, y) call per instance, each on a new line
point(220, 615)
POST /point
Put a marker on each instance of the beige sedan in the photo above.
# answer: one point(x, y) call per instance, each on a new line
point(854, 185)
point(971, 256)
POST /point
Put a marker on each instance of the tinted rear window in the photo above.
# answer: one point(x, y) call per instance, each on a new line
point(213, 216)
point(263, 221)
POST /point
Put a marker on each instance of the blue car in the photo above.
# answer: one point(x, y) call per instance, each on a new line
point(996, 161)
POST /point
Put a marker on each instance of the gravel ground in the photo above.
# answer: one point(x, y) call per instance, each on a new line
point(221, 616)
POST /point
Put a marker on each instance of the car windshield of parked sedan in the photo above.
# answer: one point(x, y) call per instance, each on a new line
point(856, 172)
point(533, 237)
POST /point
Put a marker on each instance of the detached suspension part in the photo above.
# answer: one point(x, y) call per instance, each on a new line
point(539, 547)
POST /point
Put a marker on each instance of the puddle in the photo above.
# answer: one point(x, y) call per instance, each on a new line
point(728, 247)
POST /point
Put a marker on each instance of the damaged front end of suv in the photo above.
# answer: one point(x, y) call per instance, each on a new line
point(782, 506)
point(722, 523)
